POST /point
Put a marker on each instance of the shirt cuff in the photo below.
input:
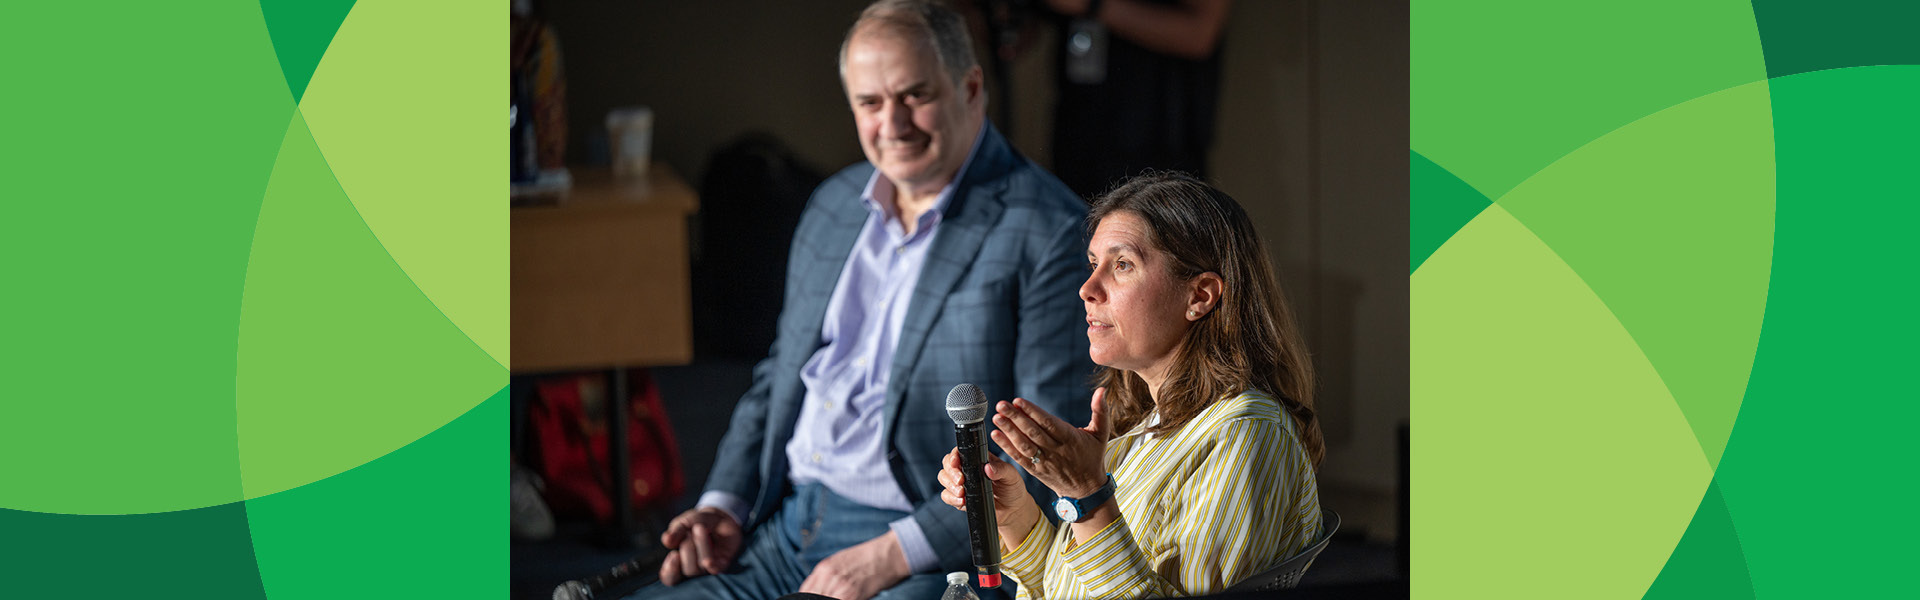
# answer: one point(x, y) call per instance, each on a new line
point(728, 502)
point(914, 544)
point(1029, 558)
point(1108, 564)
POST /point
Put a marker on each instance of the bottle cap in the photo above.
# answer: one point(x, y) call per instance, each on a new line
point(957, 578)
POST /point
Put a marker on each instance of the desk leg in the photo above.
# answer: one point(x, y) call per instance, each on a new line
point(617, 449)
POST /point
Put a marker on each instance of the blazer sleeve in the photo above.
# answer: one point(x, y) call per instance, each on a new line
point(1052, 368)
point(736, 466)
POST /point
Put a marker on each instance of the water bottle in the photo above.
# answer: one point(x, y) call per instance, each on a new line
point(957, 588)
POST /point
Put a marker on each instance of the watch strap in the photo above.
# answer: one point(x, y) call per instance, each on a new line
point(1086, 505)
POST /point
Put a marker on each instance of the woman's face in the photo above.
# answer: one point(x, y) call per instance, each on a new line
point(1136, 309)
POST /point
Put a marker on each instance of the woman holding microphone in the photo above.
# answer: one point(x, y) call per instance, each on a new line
point(1197, 468)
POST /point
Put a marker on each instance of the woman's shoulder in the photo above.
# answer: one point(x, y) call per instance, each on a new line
point(1252, 422)
point(1251, 406)
point(1257, 421)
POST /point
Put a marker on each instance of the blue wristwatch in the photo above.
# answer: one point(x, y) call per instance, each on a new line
point(1075, 510)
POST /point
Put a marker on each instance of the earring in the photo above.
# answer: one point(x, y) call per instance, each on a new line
point(1193, 314)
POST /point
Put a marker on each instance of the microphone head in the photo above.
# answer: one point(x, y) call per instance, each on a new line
point(966, 405)
point(573, 590)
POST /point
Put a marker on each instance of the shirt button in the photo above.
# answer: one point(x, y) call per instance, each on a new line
point(900, 250)
point(860, 362)
point(816, 458)
point(827, 405)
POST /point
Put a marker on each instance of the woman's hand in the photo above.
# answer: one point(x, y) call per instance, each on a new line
point(1069, 460)
point(1013, 507)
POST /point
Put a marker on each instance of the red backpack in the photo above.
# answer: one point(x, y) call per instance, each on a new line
point(570, 420)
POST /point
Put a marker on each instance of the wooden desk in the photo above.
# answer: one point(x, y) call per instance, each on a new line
point(600, 275)
point(600, 282)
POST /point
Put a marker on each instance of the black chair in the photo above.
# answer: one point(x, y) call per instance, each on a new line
point(1288, 573)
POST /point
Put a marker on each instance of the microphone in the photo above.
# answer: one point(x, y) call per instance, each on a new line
point(586, 589)
point(968, 409)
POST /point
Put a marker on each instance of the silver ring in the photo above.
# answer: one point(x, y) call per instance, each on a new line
point(1035, 458)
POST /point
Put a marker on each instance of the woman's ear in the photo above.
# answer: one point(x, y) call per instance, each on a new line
point(1204, 295)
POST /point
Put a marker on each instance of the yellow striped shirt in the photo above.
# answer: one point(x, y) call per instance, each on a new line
point(1228, 495)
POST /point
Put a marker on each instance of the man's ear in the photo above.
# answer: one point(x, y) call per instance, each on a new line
point(974, 86)
point(1204, 294)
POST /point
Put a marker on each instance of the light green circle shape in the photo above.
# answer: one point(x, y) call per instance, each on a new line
point(1559, 451)
point(341, 359)
point(405, 149)
point(1680, 250)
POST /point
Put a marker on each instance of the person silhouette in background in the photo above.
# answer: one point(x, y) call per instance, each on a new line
point(1138, 88)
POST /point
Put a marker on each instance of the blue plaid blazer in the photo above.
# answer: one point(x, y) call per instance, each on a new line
point(997, 305)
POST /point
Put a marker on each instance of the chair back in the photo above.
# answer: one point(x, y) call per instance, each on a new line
point(1287, 575)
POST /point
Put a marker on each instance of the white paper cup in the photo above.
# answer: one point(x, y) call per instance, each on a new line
point(630, 133)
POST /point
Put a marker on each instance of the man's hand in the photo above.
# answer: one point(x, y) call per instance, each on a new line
point(704, 542)
point(859, 572)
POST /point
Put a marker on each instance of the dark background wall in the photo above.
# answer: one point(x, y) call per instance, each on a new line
point(1312, 140)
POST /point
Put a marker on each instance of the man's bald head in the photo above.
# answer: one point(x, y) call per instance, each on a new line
point(922, 22)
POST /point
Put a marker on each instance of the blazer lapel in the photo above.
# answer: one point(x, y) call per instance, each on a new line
point(972, 213)
point(826, 261)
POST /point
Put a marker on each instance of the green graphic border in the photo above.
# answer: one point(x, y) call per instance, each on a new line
point(1661, 307)
point(257, 301)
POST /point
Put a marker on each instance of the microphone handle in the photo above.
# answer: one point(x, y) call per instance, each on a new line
point(586, 589)
point(983, 529)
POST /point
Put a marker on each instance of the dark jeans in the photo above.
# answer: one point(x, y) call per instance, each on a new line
point(813, 524)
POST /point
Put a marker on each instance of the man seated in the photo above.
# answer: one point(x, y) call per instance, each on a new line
point(946, 258)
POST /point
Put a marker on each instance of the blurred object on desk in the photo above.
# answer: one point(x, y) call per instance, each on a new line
point(630, 130)
point(547, 186)
point(538, 70)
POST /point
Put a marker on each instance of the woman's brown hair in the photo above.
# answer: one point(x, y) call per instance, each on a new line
point(1247, 341)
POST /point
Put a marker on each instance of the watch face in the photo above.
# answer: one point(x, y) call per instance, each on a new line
point(1067, 511)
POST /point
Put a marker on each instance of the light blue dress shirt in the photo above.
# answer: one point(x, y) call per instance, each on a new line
point(837, 441)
